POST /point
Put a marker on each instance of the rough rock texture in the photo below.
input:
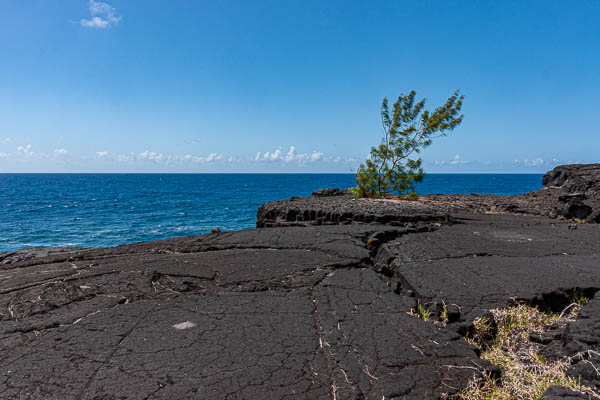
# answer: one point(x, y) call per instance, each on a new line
point(574, 178)
point(560, 393)
point(269, 313)
point(290, 312)
point(327, 192)
point(570, 191)
point(582, 344)
point(333, 210)
point(26, 254)
point(580, 341)
point(488, 260)
point(318, 311)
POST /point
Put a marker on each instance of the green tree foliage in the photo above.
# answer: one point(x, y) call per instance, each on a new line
point(408, 129)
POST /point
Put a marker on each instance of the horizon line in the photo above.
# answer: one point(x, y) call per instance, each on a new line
point(255, 173)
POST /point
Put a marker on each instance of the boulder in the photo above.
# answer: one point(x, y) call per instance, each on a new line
point(571, 191)
point(574, 178)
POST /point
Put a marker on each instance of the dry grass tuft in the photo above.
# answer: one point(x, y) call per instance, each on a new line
point(525, 374)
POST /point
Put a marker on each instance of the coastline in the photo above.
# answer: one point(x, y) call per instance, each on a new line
point(110, 210)
point(314, 303)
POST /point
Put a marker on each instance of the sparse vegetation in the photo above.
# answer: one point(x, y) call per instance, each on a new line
point(444, 315)
point(579, 298)
point(525, 373)
point(408, 128)
point(421, 312)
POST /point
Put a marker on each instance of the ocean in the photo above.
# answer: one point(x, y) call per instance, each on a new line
point(94, 210)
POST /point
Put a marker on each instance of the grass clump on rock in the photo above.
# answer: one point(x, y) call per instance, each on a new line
point(421, 311)
point(525, 373)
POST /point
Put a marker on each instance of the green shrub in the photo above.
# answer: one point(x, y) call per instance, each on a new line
point(408, 129)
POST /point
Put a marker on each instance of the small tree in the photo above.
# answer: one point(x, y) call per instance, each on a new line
point(408, 129)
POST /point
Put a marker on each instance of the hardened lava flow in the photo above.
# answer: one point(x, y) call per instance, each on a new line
point(316, 303)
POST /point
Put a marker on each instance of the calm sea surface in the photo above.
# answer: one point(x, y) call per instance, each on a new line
point(91, 210)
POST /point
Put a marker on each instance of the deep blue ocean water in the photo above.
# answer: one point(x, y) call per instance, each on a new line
point(92, 210)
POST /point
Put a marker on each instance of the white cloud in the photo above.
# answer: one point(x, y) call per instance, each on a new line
point(24, 151)
point(276, 155)
point(290, 156)
point(536, 162)
point(100, 8)
point(213, 157)
point(456, 161)
point(147, 157)
point(103, 15)
point(6, 140)
point(151, 156)
point(95, 22)
point(126, 158)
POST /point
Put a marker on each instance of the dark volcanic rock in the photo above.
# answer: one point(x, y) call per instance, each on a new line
point(488, 260)
point(33, 253)
point(344, 209)
point(315, 311)
point(580, 341)
point(290, 312)
point(327, 192)
point(561, 393)
point(574, 178)
point(276, 313)
point(570, 191)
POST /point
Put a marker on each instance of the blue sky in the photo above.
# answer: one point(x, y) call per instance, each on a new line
point(292, 86)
